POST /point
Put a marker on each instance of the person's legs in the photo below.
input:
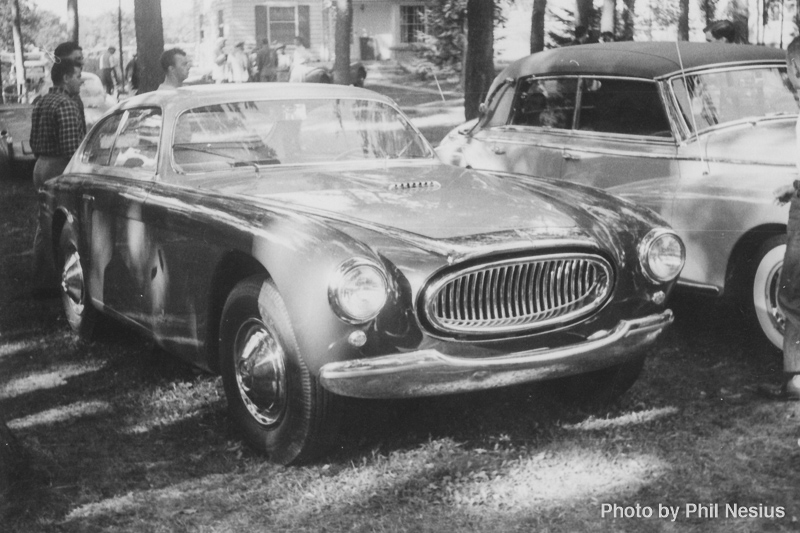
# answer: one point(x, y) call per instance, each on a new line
point(43, 269)
point(789, 300)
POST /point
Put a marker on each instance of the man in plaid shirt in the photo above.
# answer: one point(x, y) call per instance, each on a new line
point(58, 127)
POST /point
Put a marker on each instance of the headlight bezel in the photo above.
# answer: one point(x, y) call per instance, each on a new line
point(645, 247)
point(338, 282)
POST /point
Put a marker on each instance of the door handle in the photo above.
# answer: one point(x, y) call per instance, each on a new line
point(497, 150)
point(569, 156)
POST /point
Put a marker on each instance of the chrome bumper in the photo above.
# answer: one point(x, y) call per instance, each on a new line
point(431, 373)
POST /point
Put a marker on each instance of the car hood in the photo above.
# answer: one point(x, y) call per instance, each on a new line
point(440, 202)
point(762, 142)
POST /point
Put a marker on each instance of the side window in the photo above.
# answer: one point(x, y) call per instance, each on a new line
point(137, 143)
point(98, 148)
point(546, 103)
point(629, 107)
point(499, 107)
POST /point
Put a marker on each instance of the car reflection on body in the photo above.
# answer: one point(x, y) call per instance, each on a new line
point(314, 247)
point(16, 156)
point(701, 133)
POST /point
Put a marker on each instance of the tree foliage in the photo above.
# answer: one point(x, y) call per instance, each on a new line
point(40, 28)
point(444, 43)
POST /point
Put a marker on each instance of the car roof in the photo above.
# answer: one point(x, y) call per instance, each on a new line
point(650, 60)
point(203, 95)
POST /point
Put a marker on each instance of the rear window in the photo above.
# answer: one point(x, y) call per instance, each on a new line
point(628, 107)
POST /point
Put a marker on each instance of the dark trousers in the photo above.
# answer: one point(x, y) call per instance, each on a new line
point(43, 269)
point(789, 293)
point(107, 77)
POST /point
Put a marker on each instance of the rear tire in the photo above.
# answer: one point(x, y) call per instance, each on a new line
point(273, 398)
point(762, 296)
point(81, 315)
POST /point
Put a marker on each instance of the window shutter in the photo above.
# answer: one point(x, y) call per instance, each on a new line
point(303, 24)
point(261, 24)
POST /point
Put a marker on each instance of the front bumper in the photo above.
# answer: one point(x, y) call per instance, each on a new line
point(432, 373)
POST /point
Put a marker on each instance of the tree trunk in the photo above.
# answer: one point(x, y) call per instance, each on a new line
point(72, 20)
point(19, 58)
point(537, 25)
point(683, 20)
point(479, 68)
point(708, 7)
point(609, 19)
point(628, 18)
point(149, 43)
point(583, 13)
point(344, 30)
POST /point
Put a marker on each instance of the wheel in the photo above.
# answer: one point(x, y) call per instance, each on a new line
point(82, 317)
point(764, 289)
point(277, 403)
point(600, 387)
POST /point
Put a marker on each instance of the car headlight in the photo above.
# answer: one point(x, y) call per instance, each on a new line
point(358, 290)
point(662, 255)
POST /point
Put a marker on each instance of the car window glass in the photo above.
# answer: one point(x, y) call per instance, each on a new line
point(98, 148)
point(713, 98)
point(548, 103)
point(275, 132)
point(629, 107)
point(137, 143)
point(499, 107)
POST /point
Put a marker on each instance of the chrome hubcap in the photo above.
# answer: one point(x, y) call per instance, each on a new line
point(776, 316)
point(260, 372)
point(72, 283)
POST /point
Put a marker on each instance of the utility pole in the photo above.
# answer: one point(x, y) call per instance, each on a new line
point(19, 58)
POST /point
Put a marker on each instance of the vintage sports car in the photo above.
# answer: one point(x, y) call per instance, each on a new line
point(304, 241)
point(701, 133)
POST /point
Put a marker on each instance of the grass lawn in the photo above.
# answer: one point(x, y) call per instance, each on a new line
point(121, 436)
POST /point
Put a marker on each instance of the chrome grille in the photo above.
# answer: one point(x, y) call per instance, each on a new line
point(519, 294)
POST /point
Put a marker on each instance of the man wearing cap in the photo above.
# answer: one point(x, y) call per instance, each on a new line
point(108, 69)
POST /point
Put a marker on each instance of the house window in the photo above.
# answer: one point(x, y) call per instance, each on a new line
point(285, 23)
point(412, 23)
point(220, 24)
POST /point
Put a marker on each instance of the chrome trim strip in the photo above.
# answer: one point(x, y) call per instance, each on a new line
point(702, 287)
point(431, 372)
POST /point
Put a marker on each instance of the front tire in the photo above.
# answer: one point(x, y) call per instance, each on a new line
point(764, 289)
point(78, 309)
point(273, 398)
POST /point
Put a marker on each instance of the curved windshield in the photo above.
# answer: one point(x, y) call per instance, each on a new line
point(712, 98)
point(292, 132)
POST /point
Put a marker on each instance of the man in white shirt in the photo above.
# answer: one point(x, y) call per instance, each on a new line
point(176, 66)
point(108, 69)
point(789, 290)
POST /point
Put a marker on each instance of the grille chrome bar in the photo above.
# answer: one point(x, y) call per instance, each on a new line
point(519, 294)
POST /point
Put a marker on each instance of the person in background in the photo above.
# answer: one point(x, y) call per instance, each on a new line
point(582, 35)
point(789, 283)
point(66, 50)
point(266, 62)
point(108, 69)
point(219, 73)
point(300, 58)
point(132, 74)
point(175, 65)
point(58, 127)
point(607, 37)
point(238, 65)
point(723, 31)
